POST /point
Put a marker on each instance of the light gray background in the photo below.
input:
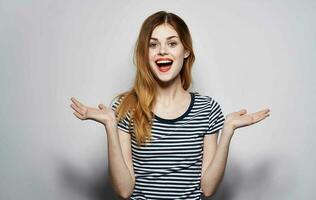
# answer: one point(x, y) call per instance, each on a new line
point(249, 54)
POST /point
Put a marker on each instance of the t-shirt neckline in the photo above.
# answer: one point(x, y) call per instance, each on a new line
point(181, 116)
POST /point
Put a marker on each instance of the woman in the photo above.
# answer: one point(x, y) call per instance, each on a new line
point(162, 138)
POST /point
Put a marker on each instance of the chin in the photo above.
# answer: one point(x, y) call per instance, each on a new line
point(166, 80)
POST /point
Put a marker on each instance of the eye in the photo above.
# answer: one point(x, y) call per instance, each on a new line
point(152, 45)
point(173, 44)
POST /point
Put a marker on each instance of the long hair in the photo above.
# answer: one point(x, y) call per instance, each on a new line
point(140, 99)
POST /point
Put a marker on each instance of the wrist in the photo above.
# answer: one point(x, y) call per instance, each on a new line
point(110, 124)
point(228, 130)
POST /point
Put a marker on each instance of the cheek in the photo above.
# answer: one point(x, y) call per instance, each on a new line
point(151, 58)
point(151, 55)
point(178, 53)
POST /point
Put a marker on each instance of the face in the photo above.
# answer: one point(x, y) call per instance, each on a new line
point(166, 53)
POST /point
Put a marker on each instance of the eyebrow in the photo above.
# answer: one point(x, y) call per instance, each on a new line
point(168, 38)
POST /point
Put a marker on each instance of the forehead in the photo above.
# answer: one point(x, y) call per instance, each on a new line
point(163, 31)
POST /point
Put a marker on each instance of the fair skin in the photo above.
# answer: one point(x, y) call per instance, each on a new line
point(165, 43)
point(170, 93)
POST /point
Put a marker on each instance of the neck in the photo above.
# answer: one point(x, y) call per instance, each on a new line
point(170, 92)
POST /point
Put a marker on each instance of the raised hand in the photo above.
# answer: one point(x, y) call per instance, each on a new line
point(240, 119)
point(102, 114)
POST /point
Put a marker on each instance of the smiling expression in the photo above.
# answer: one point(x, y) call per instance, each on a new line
point(166, 53)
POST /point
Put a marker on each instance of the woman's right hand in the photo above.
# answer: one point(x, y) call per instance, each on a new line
point(102, 114)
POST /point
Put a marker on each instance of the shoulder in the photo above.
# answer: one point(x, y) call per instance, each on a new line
point(206, 99)
point(118, 99)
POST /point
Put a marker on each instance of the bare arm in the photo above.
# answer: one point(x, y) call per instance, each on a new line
point(213, 170)
point(214, 164)
point(120, 163)
point(119, 146)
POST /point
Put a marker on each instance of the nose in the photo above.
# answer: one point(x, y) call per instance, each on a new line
point(163, 50)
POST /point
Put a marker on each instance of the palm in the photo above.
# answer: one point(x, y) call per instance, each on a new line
point(241, 119)
point(83, 112)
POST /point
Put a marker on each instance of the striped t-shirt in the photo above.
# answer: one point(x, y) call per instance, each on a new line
point(170, 166)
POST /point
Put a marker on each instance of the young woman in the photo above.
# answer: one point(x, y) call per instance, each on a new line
point(161, 137)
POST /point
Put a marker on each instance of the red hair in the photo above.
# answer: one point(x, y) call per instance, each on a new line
point(139, 100)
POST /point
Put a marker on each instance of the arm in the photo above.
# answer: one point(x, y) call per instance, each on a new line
point(215, 156)
point(119, 146)
point(120, 161)
point(214, 161)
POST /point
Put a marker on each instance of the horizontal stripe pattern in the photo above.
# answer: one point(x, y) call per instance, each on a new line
point(170, 166)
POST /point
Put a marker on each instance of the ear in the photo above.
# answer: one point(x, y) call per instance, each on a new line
point(186, 53)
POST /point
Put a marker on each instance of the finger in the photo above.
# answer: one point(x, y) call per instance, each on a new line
point(79, 116)
point(101, 106)
point(77, 109)
point(266, 111)
point(242, 111)
point(77, 103)
point(262, 112)
point(259, 116)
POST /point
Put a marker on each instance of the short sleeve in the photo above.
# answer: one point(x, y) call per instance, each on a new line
point(216, 118)
point(124, 123)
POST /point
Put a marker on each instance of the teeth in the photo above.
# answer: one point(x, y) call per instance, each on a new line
point(164, 61)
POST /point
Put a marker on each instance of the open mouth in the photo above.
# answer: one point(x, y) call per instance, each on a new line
point(164, 65)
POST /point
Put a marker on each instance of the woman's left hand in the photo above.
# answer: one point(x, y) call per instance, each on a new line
point(240, 119)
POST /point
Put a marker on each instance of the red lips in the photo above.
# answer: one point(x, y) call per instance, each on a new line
point(166, 59)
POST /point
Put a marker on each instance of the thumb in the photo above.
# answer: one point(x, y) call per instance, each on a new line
point(101, 106)
point(242, 111)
